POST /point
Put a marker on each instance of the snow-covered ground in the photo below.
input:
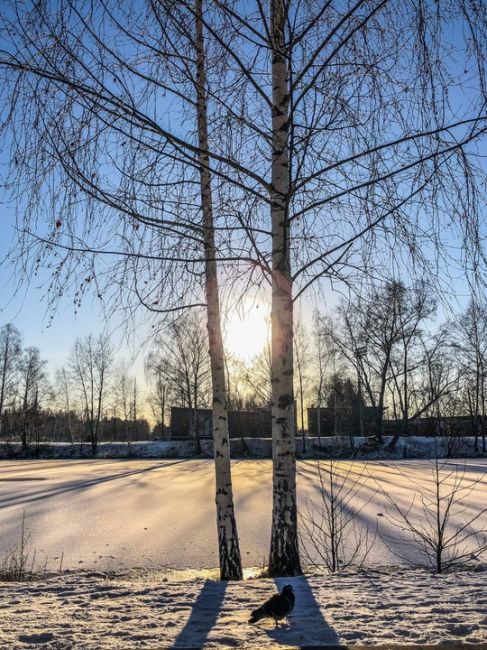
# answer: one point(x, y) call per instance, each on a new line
point(112, 515)
point(90, 612)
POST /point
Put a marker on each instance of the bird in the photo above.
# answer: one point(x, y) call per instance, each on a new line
point(277, 607)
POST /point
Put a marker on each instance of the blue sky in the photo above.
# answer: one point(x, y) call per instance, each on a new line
point(27, 308)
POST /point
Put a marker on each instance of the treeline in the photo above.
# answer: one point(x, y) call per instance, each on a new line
point(404, 363)
point(383, 352)
point(90, 399)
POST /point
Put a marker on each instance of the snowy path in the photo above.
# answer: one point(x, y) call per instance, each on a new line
point(91, 613)
point(108, 514)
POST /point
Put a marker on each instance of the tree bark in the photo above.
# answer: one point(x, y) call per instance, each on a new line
point(284, 551)
point(228, 542)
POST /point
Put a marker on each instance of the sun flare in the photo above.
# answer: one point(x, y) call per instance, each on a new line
point(246, 333)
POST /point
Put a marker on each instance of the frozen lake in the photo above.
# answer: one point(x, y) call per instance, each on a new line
point(109, 514)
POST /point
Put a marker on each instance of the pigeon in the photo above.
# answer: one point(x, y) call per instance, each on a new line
point(277, 607)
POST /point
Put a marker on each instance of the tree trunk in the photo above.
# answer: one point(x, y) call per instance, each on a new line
point(163, 409)
point(482, 408)
point(2, 386)
point(68, 406)
point(25, 424)
point(228, 543)
point(379, 439)
point(195, 432)
point(94, 438)
point(70, 428)
point(301, 410)
point(318, 422)
point(284, 552)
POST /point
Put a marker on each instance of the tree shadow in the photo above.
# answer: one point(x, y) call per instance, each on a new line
point(306, 627)
point(204, 615)
point(77, 485)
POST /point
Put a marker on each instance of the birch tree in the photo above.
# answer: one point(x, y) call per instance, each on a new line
point(352, 105)
point(108, 90)
point(284, 553)
point(230, 560)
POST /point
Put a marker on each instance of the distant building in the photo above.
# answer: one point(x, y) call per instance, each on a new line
point(346, 422)
point(241, 424)
point(343, 421)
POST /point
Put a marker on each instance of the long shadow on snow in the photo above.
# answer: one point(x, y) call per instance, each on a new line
point(77, 486)
point(203, 617)
point(306, 627)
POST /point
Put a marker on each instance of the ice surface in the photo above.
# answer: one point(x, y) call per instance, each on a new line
point(107, 514)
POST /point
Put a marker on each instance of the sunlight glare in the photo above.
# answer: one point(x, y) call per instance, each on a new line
point(247, 333)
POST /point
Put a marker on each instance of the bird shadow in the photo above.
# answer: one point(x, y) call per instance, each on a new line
point(306, 626)
point(203, 617)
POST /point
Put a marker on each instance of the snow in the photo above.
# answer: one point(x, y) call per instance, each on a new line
point(407, 447)
point(112, 514)
point(93, 612)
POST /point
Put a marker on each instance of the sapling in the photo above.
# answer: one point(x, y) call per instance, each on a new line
point(445, 531)
point(330, 528)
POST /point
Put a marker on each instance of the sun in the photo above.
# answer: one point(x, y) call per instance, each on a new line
point(246, 333)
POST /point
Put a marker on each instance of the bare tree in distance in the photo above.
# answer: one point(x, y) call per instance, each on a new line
point(375, 334)
point(440, 380)
point(236, 370)
point(10, 354)
point(343, 399)
point(32, 381)
point(64, 388)
point(90, 363)
point(416, 305)
point(181, 362)
point(134, 406)
point(258, 378)
point(302, 364)
point(122, 397)
point(159, 393)
point(320, 369)
point(471, 339)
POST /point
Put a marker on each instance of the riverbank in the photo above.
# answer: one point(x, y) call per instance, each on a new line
point(343, 447)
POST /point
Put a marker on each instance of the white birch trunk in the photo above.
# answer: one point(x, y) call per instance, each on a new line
point(284, 552)
point(228, 543)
